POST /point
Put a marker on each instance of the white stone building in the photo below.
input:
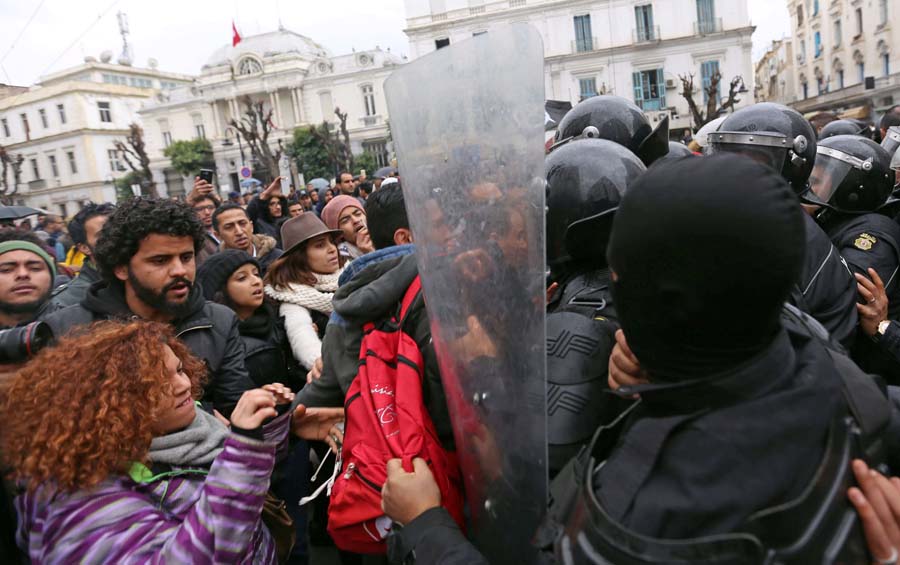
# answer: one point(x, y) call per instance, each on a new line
point(66, 127)
point(633, 48)
point(839, 46)
point(774, 80)
point(293, 75)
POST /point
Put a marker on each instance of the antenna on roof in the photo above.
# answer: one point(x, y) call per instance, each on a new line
point(126, 57)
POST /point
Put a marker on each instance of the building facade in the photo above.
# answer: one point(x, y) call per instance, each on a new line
point(297, 78)
point(844, 57)
point(66, 128)
point(632, 48)
point(774, 81)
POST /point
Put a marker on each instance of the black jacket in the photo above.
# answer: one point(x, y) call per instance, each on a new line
point(258, 212)
point(268, 353)
point(826, 290)
point(74, 291)
point(210, 330)
point(371, 295)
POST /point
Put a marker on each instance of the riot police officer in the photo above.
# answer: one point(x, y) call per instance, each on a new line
point(618, 120)
point(586, 179)
point(780, 137)
point(842, 127)
point(850, 183)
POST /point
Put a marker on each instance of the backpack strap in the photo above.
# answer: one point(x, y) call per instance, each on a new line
point(412, 294)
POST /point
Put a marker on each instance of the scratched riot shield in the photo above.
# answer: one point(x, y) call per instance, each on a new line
point(467, 123)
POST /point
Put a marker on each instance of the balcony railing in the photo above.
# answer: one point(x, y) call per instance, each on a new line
point(370, 120)
point(516, 3)
point(645, 35)
point(708, 26)
point(39, 184)
point(584, 45)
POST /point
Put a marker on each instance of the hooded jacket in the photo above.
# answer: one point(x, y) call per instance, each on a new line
point(75, 290)
point(371, 289)
point(258, 212)
point(266, 251)
point(209, 330)
point(268, 352)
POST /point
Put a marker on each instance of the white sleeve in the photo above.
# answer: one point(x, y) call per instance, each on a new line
point(305, 342)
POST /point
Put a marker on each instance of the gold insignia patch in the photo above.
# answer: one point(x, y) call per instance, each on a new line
point(864, 242)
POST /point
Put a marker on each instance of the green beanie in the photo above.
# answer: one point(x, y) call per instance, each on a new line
point(19, 245)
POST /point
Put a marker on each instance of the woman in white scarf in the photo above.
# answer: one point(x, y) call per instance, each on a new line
point(303, 281)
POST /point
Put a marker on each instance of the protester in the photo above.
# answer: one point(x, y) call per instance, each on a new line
point(303, 281)
point(234, 229)
point(364, 190)
point(146, 256)
point(305, 200)
point(324, 197)
point(268, 211)
point(85, 230)
point(203, 201)
point(346, 214)
point(345, 183)
point(295, 209)
point(27, 273)
point(171, 482)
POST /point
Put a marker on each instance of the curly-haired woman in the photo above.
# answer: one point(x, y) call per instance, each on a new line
point(118, 464)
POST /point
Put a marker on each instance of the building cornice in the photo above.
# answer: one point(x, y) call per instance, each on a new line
point(71, 87)
point(24, 145)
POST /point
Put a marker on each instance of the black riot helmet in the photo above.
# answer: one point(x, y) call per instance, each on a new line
point(772, 134)
point(676, 151)
point(618, 120)
point(843, 127)
point(586, 179)
point(852, 175)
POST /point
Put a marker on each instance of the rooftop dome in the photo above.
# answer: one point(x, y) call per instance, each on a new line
point(266, 45)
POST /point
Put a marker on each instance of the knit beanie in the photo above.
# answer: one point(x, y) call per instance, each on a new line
point(213, 274)
point(705, 252)
point(332, 211)
point(19, 245)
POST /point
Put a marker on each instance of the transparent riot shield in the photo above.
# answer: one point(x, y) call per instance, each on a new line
point(467, 123)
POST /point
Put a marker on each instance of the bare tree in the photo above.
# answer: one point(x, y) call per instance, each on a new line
point(255, 126)
point(345, 155)
point(713, 108)
point(134, 151)
point(9, 164)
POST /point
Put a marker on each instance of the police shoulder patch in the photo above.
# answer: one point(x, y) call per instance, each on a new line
point(865, 242)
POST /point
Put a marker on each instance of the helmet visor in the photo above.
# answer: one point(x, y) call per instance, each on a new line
point(891, 141)
point(769, 149)
point(895, 160)
point(832, 167)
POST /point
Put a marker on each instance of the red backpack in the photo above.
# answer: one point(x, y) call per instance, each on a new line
point(386, 419)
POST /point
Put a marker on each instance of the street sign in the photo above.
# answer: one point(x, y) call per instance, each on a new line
point(246, 172)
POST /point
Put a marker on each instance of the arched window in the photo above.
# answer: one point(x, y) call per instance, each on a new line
point(249, 66)
point(837, 70)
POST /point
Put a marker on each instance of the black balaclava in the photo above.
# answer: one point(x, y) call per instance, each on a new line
point(705, 252)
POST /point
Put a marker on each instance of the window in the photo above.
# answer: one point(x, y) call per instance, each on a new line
point(35, 171)
point(584, 41)
point(477, 33)
point(5, 125)
point(587, 87)
point(886, 64)
point(167, 138)
point(708, 70)
point(805, 90)
point(199, 129)
point(706, 16)
point(105, 114)
point(817, 43)
point(441, 43)
point(140, 82)
point(643, 16)
point(882, 12)
point(24, 118)
point(326, 104)
point(70, 155)
point(62, 113)
point(53, 168)
point(859, 22)
point(378, 149)
point(369, 99)
point(114, 163)
point(249, 66)
point(799, 15)
point(649, 89)
point(43, 114)
point(801, 56)
point(815, 10)
point(840, 78)
point(820, 85)
point(837, 33)
point(861, 71)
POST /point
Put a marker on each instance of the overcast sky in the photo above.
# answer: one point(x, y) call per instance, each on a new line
point(181, 34)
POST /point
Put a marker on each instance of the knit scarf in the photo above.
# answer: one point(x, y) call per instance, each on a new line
point(317, 297)
point(196, 445)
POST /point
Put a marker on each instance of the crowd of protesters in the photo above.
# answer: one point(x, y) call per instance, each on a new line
point(191, 405)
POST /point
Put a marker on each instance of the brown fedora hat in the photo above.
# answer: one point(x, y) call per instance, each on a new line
point(302, 228)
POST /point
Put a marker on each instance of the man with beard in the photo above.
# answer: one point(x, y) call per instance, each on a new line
point(146, 254)
point(84, 229)
point(26, 278)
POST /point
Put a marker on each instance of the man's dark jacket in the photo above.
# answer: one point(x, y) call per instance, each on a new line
point(74, 292)
point(209, 330)
point(377, 284)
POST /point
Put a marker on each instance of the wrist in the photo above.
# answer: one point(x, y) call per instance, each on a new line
point(880, 329)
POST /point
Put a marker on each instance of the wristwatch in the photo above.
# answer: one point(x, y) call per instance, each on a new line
point(882, 328)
